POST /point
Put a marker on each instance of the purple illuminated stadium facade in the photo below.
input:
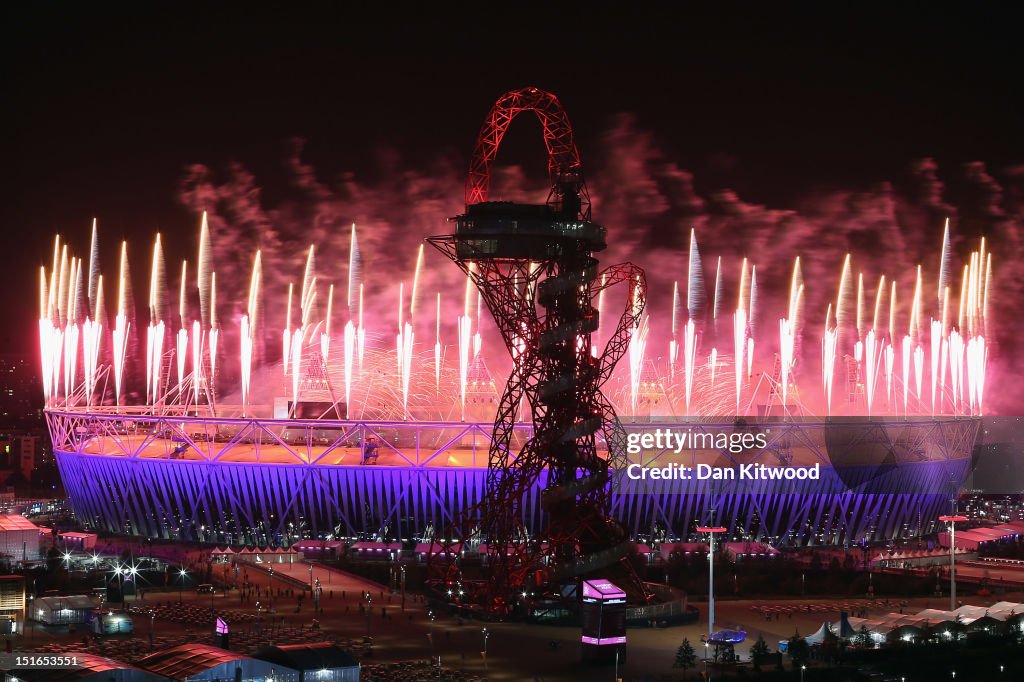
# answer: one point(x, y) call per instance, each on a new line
point(269, 481)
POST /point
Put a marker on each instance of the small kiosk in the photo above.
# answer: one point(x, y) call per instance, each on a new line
point(604, 622)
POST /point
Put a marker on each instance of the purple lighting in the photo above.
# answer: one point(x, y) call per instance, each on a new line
point(599, 641)
point(601, 589)
point(245, 480)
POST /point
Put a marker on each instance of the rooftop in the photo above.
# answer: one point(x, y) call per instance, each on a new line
point(188, 660)
point(90, 665)
point(315, 656)
point(16, 522)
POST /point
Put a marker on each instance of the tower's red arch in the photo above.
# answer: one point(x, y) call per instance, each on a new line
point(563, 158)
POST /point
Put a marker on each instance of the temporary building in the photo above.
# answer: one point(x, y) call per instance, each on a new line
point(375, 550)
point(668, 549)
point(319, 549)
point(819, 636)
point(71, 610)
point(748, 550)
point(316, 662)
point(903, 626)
point(110, 622)
point(82, 542)
point(205, 663)
point(425, 550)
point(90, 668)
point(19, 538)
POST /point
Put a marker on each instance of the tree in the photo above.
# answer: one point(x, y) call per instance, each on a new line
point(798, 649)
point(863, 637)
point(686, 657)
point(759, 652)
point(830, 645)
point(958, 628)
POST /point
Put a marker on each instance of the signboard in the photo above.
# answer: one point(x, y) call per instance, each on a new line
point(603, 613)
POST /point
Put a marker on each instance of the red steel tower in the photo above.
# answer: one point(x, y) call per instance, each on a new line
point(535, 268)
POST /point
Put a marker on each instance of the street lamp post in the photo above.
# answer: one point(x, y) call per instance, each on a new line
point(182, 573)
point(486, 635)
point(369, 608)
point(711, 531)
point(402, 568)
point(952, 519)
point(430, 615)
point(802, 669)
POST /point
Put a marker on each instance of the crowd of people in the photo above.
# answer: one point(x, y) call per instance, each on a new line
point(852, 608)
point(414, 671)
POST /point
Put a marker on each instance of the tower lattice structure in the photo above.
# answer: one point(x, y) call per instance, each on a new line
point(535, 268)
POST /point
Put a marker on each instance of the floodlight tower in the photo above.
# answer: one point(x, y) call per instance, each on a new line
point(952, 520)
point(535, 268)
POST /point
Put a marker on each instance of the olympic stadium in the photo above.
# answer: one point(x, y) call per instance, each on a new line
point(267, 481)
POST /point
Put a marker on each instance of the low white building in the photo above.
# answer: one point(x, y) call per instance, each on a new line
point(205, 663)
point(19, 538)
point(70, 610)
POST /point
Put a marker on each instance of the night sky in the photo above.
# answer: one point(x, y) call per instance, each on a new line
point(104, 110)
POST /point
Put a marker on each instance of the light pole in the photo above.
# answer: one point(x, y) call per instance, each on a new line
point(402, 568)
point(711, 531)
point(802, 669)
point(952, 519)
point(120, 582)
point(486, 635)
point(369, 608)
point(182, 573)
point(430, 614)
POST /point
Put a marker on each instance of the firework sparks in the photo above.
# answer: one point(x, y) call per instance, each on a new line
point(71, 335)
point(739, 331)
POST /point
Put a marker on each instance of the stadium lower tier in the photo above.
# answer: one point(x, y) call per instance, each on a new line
point(153, 478)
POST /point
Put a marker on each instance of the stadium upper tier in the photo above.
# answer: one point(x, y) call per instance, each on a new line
point(135, 434)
